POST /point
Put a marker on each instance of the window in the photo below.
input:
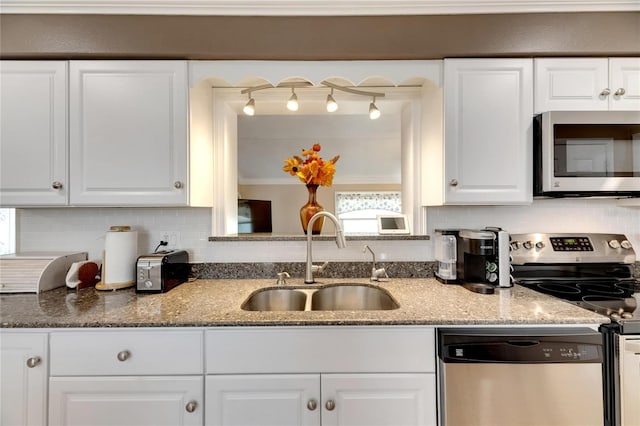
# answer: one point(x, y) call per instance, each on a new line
point(357, 211)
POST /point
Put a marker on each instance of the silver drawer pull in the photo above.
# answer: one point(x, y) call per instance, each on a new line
point(454, 182)
point(34, 361)
point(330, 405)
point(56, 185)
point(178, 185)
point(124, 355)
point(605, 92)
point(191, 406)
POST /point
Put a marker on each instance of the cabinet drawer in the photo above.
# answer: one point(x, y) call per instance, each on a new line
point(325, 349)
point(124, 352)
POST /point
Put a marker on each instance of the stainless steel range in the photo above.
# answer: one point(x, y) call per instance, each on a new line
point(594, 271)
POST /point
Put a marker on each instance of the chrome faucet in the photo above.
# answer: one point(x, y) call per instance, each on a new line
point(340, 242)
point(376, 273)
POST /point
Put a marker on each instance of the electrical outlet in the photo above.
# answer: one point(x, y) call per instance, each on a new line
point(172, 238)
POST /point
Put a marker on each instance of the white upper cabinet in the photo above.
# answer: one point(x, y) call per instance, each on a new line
point(128, 133)
point(100, 133)
point(488, 110)
point(583, 84)
point(33, 133)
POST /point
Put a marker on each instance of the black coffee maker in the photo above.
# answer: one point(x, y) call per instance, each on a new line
point(479, 260)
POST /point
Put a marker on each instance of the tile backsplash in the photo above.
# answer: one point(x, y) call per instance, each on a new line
point(83, 229)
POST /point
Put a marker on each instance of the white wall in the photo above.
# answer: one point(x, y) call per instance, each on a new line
point(84, 228)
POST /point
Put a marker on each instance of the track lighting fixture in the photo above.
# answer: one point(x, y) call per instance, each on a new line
point(250, 106)
point(292, 103)
point(374, 112)
point(332, 105)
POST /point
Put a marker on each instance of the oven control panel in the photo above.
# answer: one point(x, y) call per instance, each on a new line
point(571, 248)
point(571, 243)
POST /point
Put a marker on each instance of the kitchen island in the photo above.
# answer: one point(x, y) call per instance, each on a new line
point(211, 303)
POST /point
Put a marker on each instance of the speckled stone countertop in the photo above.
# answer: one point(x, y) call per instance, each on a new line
point(216, 302)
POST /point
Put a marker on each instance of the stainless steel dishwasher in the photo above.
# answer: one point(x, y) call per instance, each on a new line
point(519, 376)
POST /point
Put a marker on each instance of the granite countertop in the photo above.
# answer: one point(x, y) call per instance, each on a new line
point(216, 302)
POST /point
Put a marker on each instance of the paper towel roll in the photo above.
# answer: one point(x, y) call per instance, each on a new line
point(119, 258)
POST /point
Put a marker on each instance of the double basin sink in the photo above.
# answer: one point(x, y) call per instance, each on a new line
point(333, 297)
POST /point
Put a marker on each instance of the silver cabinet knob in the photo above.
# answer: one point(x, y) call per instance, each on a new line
point(453, 182)
point(191, 406)
point(124, 355)
point(34, 361)
point(605, 92)
point(312, 404)
point(56, 185)
point(177, 184)
point(620, 92)
point(330, 405)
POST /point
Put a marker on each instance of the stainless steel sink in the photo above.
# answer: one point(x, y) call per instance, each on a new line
point(276, 299)
point(333, 297)
point(352, 297)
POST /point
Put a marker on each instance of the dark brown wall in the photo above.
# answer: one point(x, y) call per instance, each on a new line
point(319, 38)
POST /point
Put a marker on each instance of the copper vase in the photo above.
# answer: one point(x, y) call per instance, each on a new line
point(308, 210)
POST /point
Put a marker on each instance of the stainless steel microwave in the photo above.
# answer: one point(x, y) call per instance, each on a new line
point(586, 154)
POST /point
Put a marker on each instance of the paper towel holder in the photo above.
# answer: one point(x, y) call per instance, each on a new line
point(122, 265)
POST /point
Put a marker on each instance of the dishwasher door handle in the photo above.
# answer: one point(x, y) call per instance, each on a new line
point(523, 343)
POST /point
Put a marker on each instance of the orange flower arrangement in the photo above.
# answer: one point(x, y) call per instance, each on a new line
point(312, 170)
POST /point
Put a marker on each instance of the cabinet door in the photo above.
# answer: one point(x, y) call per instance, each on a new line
point(378, 399)
point(488, 106)
point(128, 132)
point(624, 77)
point(571, 84)
point(23, 379)
point(33, 133)
point(263, 400)
point(140, 401)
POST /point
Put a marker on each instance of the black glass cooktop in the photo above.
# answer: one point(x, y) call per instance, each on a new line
point(617, 298)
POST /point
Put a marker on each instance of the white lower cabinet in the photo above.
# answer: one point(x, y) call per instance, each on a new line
point(379, 399)
point(373, 376)
point(23, 379)
point(121, 377)
point(232, 376)
point(263, 399)
point(139, 401)
point(320, 399)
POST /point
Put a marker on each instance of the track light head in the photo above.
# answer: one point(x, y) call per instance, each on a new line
point(250, 106)
point(374, 112)
point(332, 105)
point(292, 103)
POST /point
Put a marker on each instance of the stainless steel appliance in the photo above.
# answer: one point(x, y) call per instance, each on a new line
point(521, 377)
point(594, 271)
point(161, 271)
point(477, 259)
point(587, 153)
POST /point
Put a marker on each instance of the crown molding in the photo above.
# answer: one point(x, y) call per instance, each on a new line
point(311, 7)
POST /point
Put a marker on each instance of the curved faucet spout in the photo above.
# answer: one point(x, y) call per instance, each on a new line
point(340, 241)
